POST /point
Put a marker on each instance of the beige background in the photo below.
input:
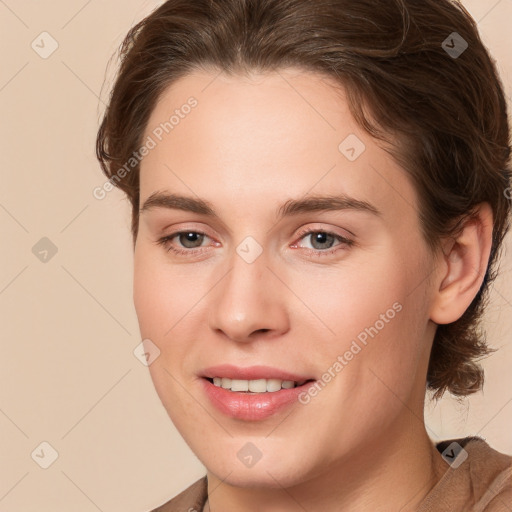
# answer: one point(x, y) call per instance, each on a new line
point(69, 374)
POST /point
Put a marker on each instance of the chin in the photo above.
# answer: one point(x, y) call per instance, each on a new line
point(268, 474)
point(258, 479)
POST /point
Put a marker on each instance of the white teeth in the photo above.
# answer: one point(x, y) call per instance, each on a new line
point(255, 386)
point(273, 385)
point(258, 386)
point(239, 385)
point(226, 383)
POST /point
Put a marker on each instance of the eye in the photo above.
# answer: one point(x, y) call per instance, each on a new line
point(189, 241)
point(322, 242)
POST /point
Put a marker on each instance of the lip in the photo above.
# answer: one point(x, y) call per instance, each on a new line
point(251, 406)
point(252, 373)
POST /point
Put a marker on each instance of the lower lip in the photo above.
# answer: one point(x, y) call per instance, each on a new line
point(252, 406)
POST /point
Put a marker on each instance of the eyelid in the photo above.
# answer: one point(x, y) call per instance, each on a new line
point(174, 230)
point(166, 239)
point(344, 241)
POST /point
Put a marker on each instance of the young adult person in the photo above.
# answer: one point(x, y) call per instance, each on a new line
point(319, 194)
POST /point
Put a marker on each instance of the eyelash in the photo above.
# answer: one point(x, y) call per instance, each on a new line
point(165, 242)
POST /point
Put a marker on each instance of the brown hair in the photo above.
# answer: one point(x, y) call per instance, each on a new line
point(392, 58)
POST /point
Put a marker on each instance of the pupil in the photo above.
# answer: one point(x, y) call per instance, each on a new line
point(322, 238)
point(189, 239)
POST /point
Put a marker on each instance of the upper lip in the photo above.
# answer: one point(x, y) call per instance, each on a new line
point(252, 373)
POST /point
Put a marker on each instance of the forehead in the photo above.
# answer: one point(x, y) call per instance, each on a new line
point(266, 137)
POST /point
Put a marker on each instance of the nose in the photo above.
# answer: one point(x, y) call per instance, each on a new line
point(249, 302)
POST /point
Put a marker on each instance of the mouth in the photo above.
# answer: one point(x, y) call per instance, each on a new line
point(255, 398)
point(255, 386)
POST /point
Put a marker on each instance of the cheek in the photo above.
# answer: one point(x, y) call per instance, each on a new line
point(161, 300)
point(160, 296)
point(350, 299)
point(169, 301)
point(148, 297)
point(371, 324)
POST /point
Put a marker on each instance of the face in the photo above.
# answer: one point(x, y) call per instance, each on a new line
point(276, 233)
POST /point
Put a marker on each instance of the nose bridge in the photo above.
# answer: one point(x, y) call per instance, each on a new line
point(246, 300)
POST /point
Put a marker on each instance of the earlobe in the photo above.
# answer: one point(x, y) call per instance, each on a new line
point(464, 263)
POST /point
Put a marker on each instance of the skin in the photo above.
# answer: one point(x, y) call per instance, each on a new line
point(251, 144)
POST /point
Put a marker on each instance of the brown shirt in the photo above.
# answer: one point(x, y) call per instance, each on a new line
point(480, 483)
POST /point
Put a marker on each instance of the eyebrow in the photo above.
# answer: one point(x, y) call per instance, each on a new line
point(315, 203)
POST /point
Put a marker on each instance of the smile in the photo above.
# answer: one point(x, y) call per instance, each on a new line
point(256, 385)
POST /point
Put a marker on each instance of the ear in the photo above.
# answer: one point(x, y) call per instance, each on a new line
point(462, 266)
